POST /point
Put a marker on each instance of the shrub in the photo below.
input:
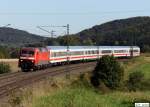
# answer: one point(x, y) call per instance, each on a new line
point(135, 81)
point(145, 85)
point(4, 52)
point(82, 81)
point(4, 68)
point(107, 71)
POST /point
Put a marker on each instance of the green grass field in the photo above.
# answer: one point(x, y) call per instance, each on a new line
point(82, 97)
point(63, 93)
point(141, 63)
point(87, 97)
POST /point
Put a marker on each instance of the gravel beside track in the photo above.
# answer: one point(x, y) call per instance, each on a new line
point(12, 81)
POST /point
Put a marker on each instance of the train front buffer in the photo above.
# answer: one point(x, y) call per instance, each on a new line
point(27, 58)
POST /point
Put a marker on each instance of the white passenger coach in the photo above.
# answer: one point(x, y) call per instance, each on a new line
point(75, 53)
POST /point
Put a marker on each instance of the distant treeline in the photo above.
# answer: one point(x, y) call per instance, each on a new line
point(7, 52)
point(132, 31)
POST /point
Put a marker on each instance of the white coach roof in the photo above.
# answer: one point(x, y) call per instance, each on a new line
point(88, 47)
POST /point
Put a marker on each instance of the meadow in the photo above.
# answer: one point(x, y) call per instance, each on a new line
point(77, 92)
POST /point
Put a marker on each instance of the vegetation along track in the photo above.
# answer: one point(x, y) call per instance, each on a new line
point(16, 80)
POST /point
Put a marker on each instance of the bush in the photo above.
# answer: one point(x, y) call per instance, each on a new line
point(107, 71)
point(135, 81)
point(4, 68)
point(4, 52)
point(81, 81)
point(145, 85)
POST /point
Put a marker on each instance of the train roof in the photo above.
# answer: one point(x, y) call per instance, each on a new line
point(88, 47)
point(57, 47)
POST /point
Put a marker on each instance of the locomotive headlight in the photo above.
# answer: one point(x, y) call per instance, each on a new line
point(32, 61)
point(21, 60)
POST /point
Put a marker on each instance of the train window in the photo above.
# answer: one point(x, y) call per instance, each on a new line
point(76, 53)
point(119, 51)
point(62, 53)
point(58, 54)
point(53, 54)
point(92, 52)
point(135, 50)
point(24, 52)
point(80, 53)
point(86, 52)
point(43, 50)
point(31, 52)
point(106, 51)
point(27, 53)
point(96, 51)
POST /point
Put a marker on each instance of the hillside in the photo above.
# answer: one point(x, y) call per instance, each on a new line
point(129, 31)
point(120, 32)
point(15, 37)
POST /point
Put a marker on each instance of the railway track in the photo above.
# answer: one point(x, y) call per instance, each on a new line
point(13, 81)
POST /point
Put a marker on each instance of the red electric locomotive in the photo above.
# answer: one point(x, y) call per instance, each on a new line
point(33, 58)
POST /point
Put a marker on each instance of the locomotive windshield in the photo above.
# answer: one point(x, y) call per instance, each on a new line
point(27, 53)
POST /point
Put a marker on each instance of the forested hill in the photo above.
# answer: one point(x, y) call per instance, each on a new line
point(15, 37)
point(119, 32)
point(129, 31)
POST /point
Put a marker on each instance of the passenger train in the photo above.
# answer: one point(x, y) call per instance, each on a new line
point(37, 58)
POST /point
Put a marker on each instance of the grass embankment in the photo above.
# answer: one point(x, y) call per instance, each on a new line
point(83, 97)
point(77, 93)
point(141, 63)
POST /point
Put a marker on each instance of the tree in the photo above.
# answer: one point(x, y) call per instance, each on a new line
point(52, 42)
point(88, 42)
point(4, 53)
point(107, 71)
point(71, 40)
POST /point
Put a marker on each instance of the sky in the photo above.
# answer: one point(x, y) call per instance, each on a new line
point(79, 14)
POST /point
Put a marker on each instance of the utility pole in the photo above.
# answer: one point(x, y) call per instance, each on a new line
point(132, 50)
point(131, 30)
point(67, 36)
point(68, 51)
point(52, 33)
